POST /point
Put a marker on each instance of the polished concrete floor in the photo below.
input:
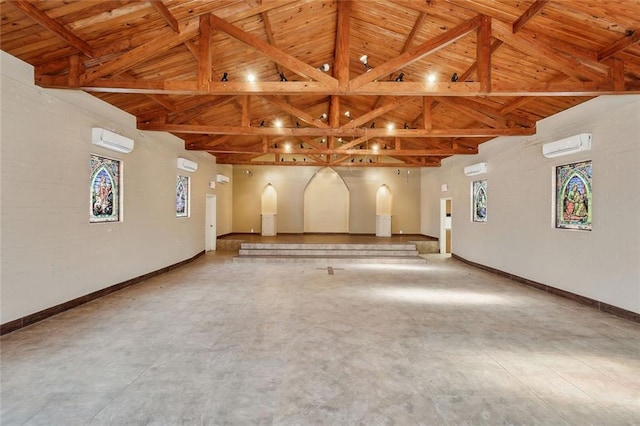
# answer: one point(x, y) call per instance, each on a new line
point(221, 343)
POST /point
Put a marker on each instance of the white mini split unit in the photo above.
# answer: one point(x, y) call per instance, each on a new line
point(570, 145)
point(475, 169)
point(187, 165)
point(109, 140)
point(222, 179)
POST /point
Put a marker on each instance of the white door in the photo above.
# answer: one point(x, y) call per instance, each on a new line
point(210, 223)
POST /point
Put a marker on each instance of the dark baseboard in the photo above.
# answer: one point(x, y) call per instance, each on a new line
point(54, 310)
point(601, 306)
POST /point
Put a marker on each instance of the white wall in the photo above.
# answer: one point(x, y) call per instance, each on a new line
point(290, 183)
point(519, 237)
point(50, 252)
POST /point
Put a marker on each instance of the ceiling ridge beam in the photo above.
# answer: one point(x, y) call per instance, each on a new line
point(415, 54)
point(143, 52)
point(32, 12)
point(277, 55)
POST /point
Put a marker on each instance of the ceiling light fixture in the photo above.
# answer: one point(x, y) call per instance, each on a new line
point(406, 125)
point(282, 77)
point(431, 78)
point(225, 77)
point(373, 125)
point(277, 123)
point(347, 114)
point(390, 126)
point(323, 116)
point(400, 77)
point(324, 67)
point(251, 78)
point(365, 61)
point(454, 77)
point(287, 146)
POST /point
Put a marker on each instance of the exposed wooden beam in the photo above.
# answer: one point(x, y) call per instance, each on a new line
point(437, 152)
point(620, 45)
point(427, 118)
point(29, 9)
point(529, 45)
point(290, 109)
point(141, 53)
point(166, 15)
point(483, 53)
point(528, 14)
point(341, 55)
point(186, 114)
point(204, 54)
point(385, 88)
point(393, 104)
point(417, 53)
point(471, 112)
point(246, 111)
point(272, 52)
point(313, 131)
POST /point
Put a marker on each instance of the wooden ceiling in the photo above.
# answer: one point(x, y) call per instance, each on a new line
point(471, 70)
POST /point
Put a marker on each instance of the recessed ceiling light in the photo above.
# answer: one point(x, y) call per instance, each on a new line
point(431, 78)
point(277, 123)
point(251, 77)
point(390, 126)
point(287, 146)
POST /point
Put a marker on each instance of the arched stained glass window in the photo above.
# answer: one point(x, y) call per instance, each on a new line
point(182, 196)
point(573, 196)
point(105, 189)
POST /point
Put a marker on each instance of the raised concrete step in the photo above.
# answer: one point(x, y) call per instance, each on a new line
point(331, 260)
point(327, 246)
point(328, 254)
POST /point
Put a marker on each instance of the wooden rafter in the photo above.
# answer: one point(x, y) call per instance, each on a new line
point(271, 52)
point(528, 14)
point(52, 25)
point(417, 53)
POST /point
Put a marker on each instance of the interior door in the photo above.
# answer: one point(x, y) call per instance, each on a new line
point(210, 223)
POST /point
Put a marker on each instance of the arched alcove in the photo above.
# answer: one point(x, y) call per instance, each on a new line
point(326, 203)
point(383, 212)
point(269, 207)
point(269, 200)
point(383, 200)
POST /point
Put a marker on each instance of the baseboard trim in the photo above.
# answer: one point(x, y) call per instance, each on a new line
point(601, 306)
point(55, 310)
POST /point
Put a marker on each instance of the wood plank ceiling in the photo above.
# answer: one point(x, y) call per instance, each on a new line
point(440, 76)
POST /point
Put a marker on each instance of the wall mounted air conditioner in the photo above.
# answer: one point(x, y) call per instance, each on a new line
point(222, 179)
point(475, 169)
point(187, 165)
point(570, 145)
point(109, 140)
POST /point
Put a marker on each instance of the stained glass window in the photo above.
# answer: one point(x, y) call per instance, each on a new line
point(479, 204)
point(182, 196)
point(104, 189)
point(573, 196)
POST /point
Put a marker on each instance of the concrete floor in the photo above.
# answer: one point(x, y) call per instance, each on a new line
point(221, 343)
